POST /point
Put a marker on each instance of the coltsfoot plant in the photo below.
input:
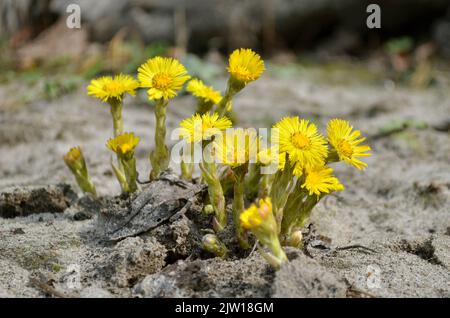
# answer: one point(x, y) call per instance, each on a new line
point(74, 159)
point(276, 182)
point(112, 90)
point(124, 145)
point(163, 77)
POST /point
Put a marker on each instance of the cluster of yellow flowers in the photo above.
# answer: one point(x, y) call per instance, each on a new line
point(231, 157)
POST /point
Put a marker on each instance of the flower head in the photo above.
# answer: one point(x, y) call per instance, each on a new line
point(74, 159)
point(163, 76)
point(237, 147)
point(206, 93)
point(124, 144)
point(203, 127)
point(245, 65)
point(321, 180)
point(109, 88)
point(254, 216)
point(346, 143)
point(300, 139)
point(73, 155)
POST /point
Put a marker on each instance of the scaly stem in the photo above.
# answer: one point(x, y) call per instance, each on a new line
point(159, 157)
point(238, 204)
point(225, 104)
point(216, 197)
point(116, 113)
point(84, 180)
point(203, 107)
point(120, 175)
point(265, 185)
point(279, 192)
point(276, 257)
point(253, 181)
point(292, 211)
point(233, 87)
point(130, 174)
point(187, 168)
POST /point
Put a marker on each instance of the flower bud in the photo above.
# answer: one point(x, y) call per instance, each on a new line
point(212, 244)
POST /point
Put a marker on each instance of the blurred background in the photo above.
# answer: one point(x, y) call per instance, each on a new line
point(117, 34)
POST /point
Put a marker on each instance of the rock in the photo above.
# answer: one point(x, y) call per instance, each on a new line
point(153, 26)
point(156, 204)
point(303, 277)
point(5, 294)
point(91, 11)
point(58, 41)
point(441, 246)
point(132, 259)
point(249, 277)
point(95, 292)
point(441, 35)
point(405, 268)
point(19, 202)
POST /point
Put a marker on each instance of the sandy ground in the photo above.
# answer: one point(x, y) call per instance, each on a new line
point(386, 235)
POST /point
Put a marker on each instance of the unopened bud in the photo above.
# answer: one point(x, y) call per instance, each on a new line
point(74, 159)
point(208, 209)
point(212, 244)
point(295, 239)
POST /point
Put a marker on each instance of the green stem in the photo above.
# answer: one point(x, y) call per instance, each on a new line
point(187, 168)
point(238, 204)
point(159, 158)
point(85, 183)
point(120, 175)
point(253, 181)
point(215, 192)
point(203, 107)
point(116, 113)
point(130, 173)
point(280, 190)
point(292, 209)
point(265, 185)
point(277, 257)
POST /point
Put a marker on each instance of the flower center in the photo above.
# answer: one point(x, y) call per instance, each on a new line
point(300, 141)
point(113, 88)
point(345, 148)
point(125, 148)
point(206, 126)
point(162, 81)
point(242, 73)
point(314, 178)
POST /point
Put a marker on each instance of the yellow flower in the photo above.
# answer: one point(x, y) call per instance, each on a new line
point(321, 180)
point(163, 76)
point(74, 159)
point(203, 127)
point(300, 139)
point(123, 144)
point(254, 216)
point(207, 93)
point(109, 88)
point(73, 155)
point(346, 143)
point(245, 65)
point(237, 147)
